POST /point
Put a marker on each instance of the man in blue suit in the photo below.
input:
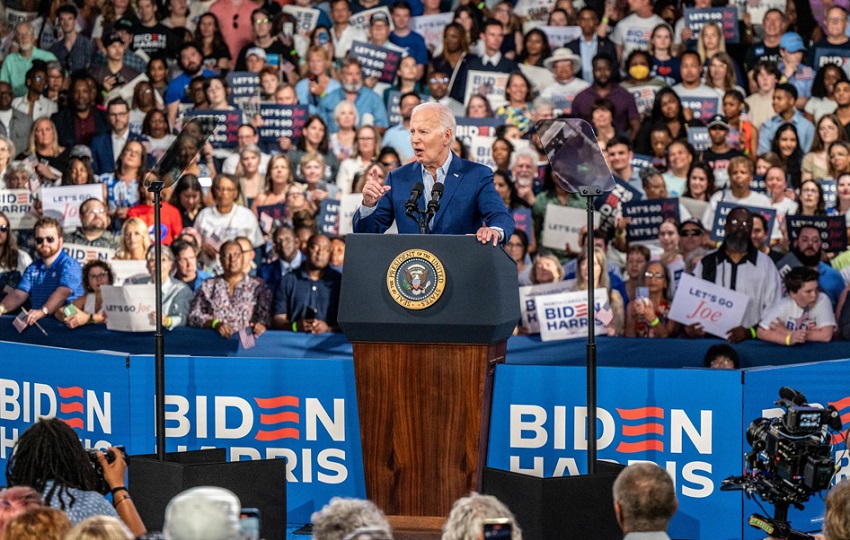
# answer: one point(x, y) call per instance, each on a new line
point(106, 147)
point(469, 204)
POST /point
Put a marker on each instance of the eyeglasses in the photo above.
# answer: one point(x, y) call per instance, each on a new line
point(261, 21)
point(99, 275)
point(232, 255)
point(742, 223)
point(4, 228)
point(95, 211)
point(656, 275)
point(225, 190)
point(809, 191)
point(691, 232)
point(294, 194)
point(514, 244)
point(42, 239)
point(435, 80)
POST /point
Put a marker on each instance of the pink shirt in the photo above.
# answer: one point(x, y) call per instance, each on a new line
point(235, 22)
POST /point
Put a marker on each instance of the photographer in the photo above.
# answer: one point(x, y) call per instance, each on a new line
point(49, 458)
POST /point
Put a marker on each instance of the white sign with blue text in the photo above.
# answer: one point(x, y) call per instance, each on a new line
point(717, 309)
point(564, 315)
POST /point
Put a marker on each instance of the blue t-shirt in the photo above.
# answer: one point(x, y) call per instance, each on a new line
point(297, 292)
point(177, 88)
point(414, 44)
point(40, 282)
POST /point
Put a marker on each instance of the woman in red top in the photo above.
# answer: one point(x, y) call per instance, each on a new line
point(171, 222)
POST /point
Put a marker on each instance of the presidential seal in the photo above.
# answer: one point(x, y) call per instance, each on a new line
point(416, 279)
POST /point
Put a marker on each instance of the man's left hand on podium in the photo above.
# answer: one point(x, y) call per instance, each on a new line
point(488, 234)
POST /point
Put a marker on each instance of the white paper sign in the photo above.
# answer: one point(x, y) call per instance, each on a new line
point(563, 224)
point(83, 254)
point(63, 203)
point(528, 304)
point(564, 315)
point(489, 84)
point(128, 270)
point(348, 205)
point(716, 308)
point(361, 20)
point(305, 18)
point(129, 308)
point(431, 27)
point(560, 35)
point(534, 10)
point(17, 205)
point(540, 77)
point(481, 150)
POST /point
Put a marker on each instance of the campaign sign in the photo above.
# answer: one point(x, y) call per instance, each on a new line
point(608, 205)
point(360, 21)
point(564, 315)
point(522, 220)
point(394, 107)
point(540, 77)
point(528, 296)
point(534, 10)
point(699, 139)
point(305, 18)
point(562, 225)
point(328, 220)
point(560, 35)
point(758, 184)
point(129, 308)
point(378, 62)
point(647, 215)
point(282, 121)
point(725, 17)
point(718, 228)
point(128, 270)
point(487, 83)
point(226, 126)
point(703, 107)
point(717, 309)
point(431, 27)
point(16, 204)
point(271, 216)
point(63, 202)
point(641, 161)
point(688, 421)
point(348, 204)
point(467, 128)
point(830, 192)
point(243, 85)
point(828, 55)
point(833, 230)
point(481, 151)
point(83, 254)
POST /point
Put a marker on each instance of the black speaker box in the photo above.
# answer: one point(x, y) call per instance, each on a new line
point(258, 484)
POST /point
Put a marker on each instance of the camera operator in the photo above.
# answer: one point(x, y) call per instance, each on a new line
point(50, 458)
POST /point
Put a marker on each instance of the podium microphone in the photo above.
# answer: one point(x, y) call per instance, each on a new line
point(434, 203)
point(412, 203)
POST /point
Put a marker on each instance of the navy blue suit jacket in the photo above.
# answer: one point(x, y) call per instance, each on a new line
point(469, 201)
point(102, 161)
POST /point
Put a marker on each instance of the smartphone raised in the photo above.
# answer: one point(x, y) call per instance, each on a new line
point(497, 529)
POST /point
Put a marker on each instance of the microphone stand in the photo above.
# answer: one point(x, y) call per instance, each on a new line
point(159, 338)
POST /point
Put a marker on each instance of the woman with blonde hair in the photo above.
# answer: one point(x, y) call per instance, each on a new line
point(43, 147)
point(99, 528)
point(816, 161)
point(710, 41)
point(601, 280)
point(7, 153)
point(135, 240)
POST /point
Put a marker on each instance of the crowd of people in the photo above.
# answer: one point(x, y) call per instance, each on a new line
point(54, 493)
point(96, 93)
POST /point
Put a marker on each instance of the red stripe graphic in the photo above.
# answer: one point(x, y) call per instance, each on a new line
point(71, 391)
point(641, 414)
point(277, 434)
point(631, 431)
point(279, 418)
point(66, 408)
point(845, 418)
point(76, 423)
point(275, 402)
point(23, 198)
point(631, 448)
point(838, 438)
point(841, 403)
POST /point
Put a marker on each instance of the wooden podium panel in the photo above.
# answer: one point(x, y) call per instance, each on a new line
point(424, 421)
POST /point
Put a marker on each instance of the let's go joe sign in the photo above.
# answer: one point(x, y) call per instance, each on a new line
point(716, 308)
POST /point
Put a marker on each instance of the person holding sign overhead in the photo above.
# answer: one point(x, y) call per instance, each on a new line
point(804, 315)
point(469, 203)
point(739, 266)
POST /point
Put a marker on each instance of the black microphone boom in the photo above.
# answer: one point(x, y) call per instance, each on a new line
point(412, 203)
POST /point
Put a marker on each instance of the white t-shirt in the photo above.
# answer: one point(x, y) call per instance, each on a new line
point(563, 94)
point(691, 98)
point(633, 33)
point(215, 226)
point(791, 315)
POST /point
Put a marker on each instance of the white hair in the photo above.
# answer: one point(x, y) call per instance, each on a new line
point(445, 118)
point(344, 104)
point(522, 153)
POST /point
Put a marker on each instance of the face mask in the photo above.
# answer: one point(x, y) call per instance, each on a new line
point(639, 72)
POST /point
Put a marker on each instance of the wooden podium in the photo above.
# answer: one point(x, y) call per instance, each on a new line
point(429, 317)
